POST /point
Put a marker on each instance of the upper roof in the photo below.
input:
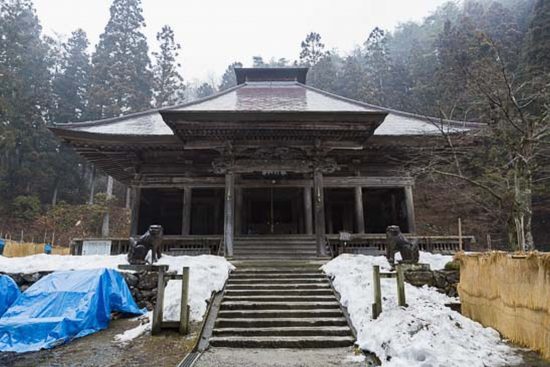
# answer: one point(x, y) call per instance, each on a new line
point(275, 96)
point(262, 90)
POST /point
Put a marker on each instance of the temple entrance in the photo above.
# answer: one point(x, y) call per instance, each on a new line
point(271, 211)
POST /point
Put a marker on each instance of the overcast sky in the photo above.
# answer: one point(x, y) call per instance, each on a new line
point(215, 33)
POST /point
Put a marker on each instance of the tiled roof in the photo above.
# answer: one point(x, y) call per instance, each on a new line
point(268, 97)
point(275, 96)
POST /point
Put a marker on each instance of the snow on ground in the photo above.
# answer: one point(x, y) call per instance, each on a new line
point(207, 274)
point(424, 334)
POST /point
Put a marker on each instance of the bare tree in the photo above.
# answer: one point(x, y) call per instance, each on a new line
point(505, 159)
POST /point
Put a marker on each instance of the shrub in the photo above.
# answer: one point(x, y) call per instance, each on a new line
point(26, 207)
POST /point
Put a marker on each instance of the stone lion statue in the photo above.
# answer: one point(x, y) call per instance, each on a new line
point(396, 242)
point(150, 240)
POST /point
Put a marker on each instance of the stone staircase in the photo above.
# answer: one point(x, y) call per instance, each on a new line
point(280, 307)
point(275, 247)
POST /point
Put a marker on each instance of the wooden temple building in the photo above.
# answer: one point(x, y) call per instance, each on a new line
point(270, 161)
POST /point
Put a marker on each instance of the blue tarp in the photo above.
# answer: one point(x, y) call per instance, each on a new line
point(9, 291)
point(63, 306)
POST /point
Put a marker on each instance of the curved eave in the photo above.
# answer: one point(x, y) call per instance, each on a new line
point(85, 137)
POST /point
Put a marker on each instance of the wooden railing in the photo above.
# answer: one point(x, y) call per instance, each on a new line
point(375, 244)
point(171, 245)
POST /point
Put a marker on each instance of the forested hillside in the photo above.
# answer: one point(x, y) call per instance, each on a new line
point(429, 68)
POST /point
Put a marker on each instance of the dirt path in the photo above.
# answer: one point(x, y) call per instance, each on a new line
point(99, 349)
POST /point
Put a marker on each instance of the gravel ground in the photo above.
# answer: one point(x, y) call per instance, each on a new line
point(99, 350)
point(226, 357)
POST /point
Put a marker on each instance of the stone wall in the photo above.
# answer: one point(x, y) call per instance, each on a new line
point(143, 285)
point(445, 281)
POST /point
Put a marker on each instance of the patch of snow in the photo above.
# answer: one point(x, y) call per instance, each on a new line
point(427, 333)
point(207, 274)
point(133, 333)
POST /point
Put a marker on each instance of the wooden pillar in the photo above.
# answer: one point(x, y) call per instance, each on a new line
point(319, 198)
point(410, 209)
point(186, 211)
point(238, 210)
point(377, 290)
point(228, 213)
point(105, 225)
point(359, 213)
point(135, 203)
point(308, 210)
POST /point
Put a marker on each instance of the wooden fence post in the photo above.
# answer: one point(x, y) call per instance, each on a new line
point(377, 305)
point(159, 305)
point(489, 241)
point(400, 276)
point(460, 246)
point(184, 310)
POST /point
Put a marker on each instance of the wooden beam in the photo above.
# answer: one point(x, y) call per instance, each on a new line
point(409, 201)
point(328, 182)
point(308, 210)
point(228, 228)
point(319, 199)
point(186, 212)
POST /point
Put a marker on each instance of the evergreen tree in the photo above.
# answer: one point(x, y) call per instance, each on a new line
point(352, 76)
point(205, 90)
point(168, 83)
point(228, 78)
point(377, 67)
point(25, 98)
point(537, 45)
point(313, 49)
point(322, 74)
point(71, 83)
point(121, 75)
point(258, 62)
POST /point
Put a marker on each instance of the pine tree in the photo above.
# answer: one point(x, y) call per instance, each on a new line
point(168, 83)
point(258, 62)
point(25, 99)
point(537, 45)
point(322, 74)
point(71, 83)
point(377, 67)
point(121, 68)
point(228, 78)
point(205, 90)
point(313, 49)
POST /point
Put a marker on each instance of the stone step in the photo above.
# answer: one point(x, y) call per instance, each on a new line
point(274, 252)
point(272, 280)
point(282, 342)
point(259, 286)
point(284, 331)
point(271, 257)
point(279, 292)
point(261, 314)
point(247, 305)
point(271, 253)
point(275, 298)
point(279, 322)
point(260, 275)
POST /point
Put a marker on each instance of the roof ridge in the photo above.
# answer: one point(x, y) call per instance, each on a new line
point(391, 110)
